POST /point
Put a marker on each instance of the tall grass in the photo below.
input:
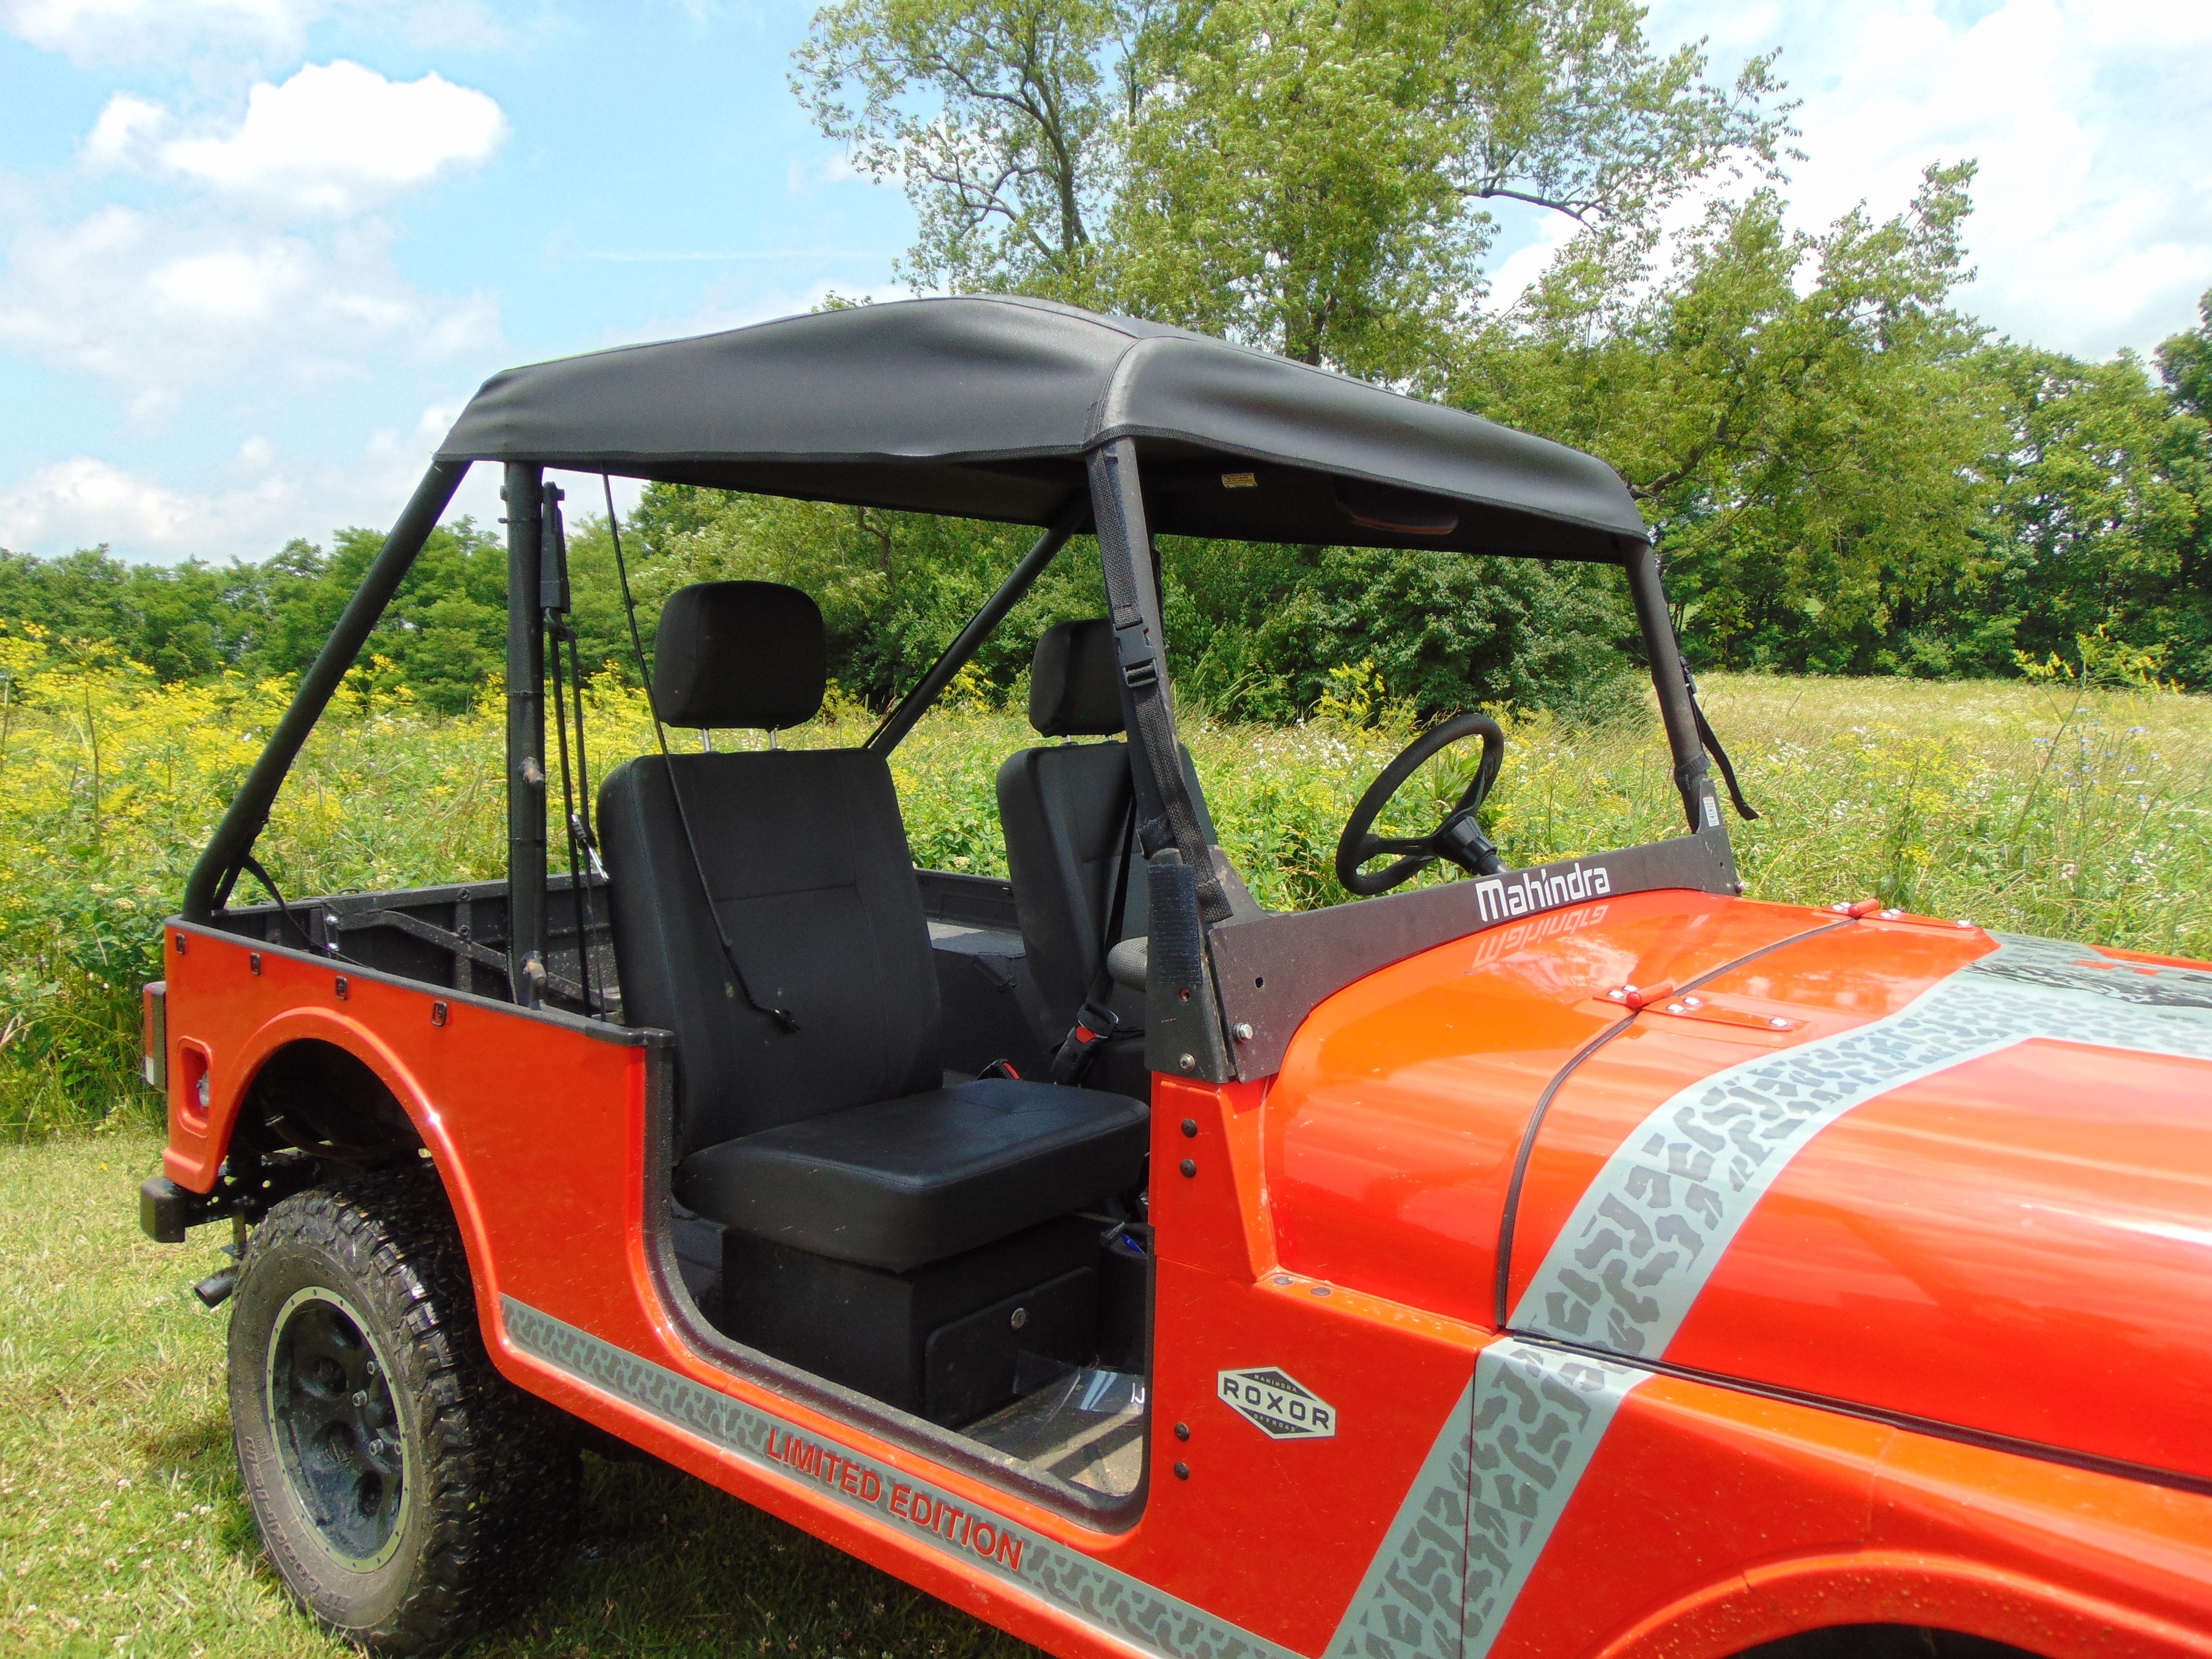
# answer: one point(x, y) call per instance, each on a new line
point(2040, 808)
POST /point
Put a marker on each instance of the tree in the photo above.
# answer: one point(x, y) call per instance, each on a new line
point(1795, 411)
point(894, 587)
point(2185, 362)
point(1296, 190)
point(1255, 632)
point(997, 116)
point(1565, 105)
point(1300, 174)
point(2097, 516)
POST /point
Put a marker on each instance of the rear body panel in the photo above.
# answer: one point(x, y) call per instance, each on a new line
point(1959, 1272)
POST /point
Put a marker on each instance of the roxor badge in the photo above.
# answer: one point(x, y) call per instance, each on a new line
point(1281, 1409)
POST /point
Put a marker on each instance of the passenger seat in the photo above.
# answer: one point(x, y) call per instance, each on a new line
point(834, 1140)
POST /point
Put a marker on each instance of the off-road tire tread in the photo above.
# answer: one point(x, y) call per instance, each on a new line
point(501, 1486)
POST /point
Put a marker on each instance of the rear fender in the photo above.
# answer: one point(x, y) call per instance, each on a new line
point(194, 1162)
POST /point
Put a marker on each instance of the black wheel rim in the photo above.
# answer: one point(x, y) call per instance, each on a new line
point(337, 1427)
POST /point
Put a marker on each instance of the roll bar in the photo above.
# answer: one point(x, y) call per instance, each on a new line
point(1113, 505)
point(216, 873)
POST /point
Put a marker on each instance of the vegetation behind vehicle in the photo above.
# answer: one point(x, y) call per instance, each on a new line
point(2071, 806)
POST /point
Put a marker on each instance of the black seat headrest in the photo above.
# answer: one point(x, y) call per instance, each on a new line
point(739, 654)
point(1075, 681)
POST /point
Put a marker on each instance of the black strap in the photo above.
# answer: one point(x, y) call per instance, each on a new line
point(252, 865)
point(1712, 744)
point(1109, 924)
point(553, 596)
point(1096, 1020)
point(1167, 816)
point(782, 1017)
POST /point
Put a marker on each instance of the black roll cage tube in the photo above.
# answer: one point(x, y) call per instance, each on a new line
point(208, 889)
point(1113, 506)
point(1073, 519)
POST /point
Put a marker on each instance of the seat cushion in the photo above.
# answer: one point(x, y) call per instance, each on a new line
point(901, 1182)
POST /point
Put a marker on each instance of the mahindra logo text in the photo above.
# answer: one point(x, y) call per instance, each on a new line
point(1496, 897)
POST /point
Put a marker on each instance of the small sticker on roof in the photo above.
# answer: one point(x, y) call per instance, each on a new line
point(1240, 481)
point(1277, 1404)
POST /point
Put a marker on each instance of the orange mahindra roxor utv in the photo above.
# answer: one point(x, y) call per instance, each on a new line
point(1583, 1260)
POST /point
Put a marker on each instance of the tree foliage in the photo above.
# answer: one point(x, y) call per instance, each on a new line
point(1295, 190)
point(1844, 472)
point(1798, 413)
point(997, 117)
point(1305, 175)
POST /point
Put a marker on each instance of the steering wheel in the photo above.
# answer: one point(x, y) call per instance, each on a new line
point(1458, 838)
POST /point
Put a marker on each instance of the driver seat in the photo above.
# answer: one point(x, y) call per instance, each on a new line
point(1064, 811)
point(837, 1140)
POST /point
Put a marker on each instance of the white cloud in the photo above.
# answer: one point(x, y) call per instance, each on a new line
point(2092, 121)
point(334, 140)
point(162, 31)
point(125, 133)
point(1529, 259)
point(807, 171)
point(158, 305)
point(96, 30)
point(81, 502)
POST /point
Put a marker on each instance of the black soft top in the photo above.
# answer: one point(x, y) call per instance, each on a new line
point(984, 407)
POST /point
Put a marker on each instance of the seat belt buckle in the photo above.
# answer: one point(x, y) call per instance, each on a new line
point(1135, 654)
point(1093, 1023)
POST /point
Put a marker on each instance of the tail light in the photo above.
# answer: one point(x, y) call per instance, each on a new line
point(155, 1066)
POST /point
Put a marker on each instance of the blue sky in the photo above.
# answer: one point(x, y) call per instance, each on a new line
point(257, 252)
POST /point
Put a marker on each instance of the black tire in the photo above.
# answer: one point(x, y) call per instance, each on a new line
point(407, 1493)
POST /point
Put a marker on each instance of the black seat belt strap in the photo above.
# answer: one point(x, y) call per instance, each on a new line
point(1166, 816)
point(1109, 924)
point(1096, 1020)
point(782, 1017)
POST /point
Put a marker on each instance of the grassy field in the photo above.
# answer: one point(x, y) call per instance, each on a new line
point(2039, 807)
point(123, 1530)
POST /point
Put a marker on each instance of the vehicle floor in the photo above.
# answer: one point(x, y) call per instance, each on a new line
point(1082, 1424)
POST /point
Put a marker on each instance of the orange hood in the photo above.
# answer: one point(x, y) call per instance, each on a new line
point(1958, 1181)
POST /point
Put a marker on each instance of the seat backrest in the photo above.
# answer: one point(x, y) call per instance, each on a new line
point(1065, 812)
point(803, 856)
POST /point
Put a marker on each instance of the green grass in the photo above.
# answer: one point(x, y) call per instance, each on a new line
point(123, 1529)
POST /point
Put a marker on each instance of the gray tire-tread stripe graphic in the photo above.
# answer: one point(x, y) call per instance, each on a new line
point(1111, 1601)
point(1407, 1606)
point(1539, 1415)
point(1488, 1495)
point(1643, 1240)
